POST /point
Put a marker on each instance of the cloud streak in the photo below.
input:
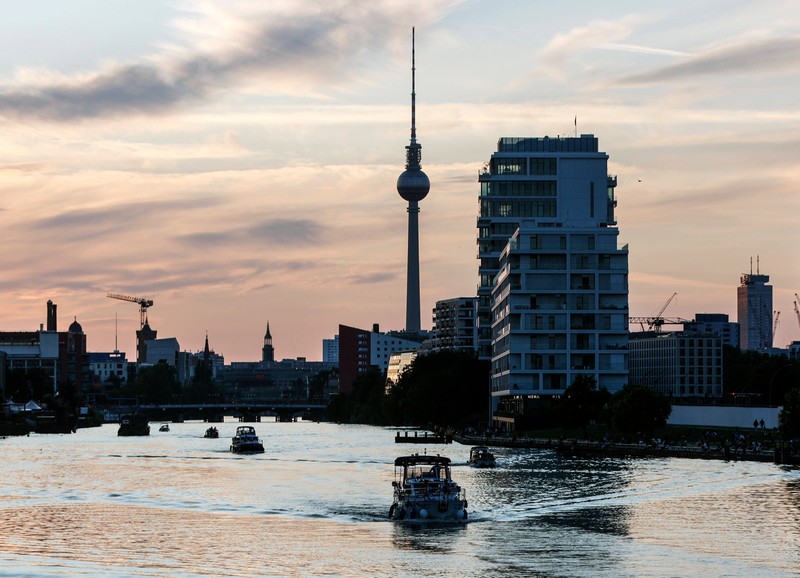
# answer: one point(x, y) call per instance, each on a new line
point(555, 55)
point(765, 55)
point(283, 232)
point(292, 50)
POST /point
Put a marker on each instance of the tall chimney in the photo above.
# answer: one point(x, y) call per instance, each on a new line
point(52, 323)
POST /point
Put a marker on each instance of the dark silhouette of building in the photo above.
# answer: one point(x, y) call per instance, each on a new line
point(73, 359)
point(51, 316)
point(144, 335)
point(267, 352)
point(62, 355)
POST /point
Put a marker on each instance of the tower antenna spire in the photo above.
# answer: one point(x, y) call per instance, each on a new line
point(413, 87)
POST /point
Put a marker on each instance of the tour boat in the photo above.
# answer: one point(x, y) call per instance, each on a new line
point(212, 432)
point(133, 425)
point(246, 441)
point(481, 457)
point(424, 491)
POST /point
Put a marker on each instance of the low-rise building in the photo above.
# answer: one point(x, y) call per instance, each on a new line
point(360, 350)
point(715, 324)
point(680, 365)
point(109, 367)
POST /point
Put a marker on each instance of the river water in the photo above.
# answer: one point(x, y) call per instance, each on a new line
point(315, 504)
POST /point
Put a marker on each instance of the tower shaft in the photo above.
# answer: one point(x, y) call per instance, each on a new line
point(412, 272)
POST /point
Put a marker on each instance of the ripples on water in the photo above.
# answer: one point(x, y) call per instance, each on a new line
point(315, 504)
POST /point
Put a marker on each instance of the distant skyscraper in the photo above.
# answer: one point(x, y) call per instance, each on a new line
point(267, 352)
point(553, 284)
point(754, 308)
point(413, 185)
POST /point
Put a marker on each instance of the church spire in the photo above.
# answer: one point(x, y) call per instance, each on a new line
point(267, 352)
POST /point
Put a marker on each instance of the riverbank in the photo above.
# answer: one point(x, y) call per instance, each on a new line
point(779, 453)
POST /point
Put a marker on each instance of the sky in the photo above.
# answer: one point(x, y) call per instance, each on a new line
point(236, 161)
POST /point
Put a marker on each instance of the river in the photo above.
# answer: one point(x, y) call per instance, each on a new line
point(315, 504)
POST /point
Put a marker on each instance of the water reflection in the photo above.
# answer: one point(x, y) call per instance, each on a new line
point(601, 519)
point(426, 537)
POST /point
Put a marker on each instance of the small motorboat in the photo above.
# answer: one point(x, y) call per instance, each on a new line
point(212, 433)
point(164, 427)
point(133, 425)
point(425, 492)
point(246, 441)
point(481, 457)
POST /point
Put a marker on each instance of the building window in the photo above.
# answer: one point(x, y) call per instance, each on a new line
point(509, 166)
point(543, 166)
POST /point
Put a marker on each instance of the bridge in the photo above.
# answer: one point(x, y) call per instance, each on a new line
point(214, 412)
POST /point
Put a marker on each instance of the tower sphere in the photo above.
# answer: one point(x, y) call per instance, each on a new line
point(413, 185)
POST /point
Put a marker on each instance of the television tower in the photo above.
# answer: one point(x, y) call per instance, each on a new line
point(413, 185)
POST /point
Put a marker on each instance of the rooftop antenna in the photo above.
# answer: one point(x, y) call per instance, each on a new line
point(116, 347)
point(751, 265)
point(758, 264)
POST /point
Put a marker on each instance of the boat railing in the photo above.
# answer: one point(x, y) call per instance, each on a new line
point(429, 488)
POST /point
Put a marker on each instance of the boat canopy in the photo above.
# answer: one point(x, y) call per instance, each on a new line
point(422, 460)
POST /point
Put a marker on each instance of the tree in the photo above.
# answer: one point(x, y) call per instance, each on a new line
point(364, 404)
point(789, 418)
point(767, 377)
point(445, 388)
point(637, 408)
point(156, 384)
point(23, 385)
point(202, 389)
point(582, 403)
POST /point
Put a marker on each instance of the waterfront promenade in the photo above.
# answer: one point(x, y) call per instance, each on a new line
point(779, 453)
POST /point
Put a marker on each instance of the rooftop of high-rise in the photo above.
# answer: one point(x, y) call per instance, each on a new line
point(586, 143)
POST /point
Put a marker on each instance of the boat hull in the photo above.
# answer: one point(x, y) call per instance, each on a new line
point(251, 448)
point(133, 425)
point(134, 431)
point(407, 509)
point(483, 463)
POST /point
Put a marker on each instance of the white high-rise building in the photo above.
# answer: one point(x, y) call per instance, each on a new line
point(553, 293)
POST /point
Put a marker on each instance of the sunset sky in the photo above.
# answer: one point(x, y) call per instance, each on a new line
point(236, 161)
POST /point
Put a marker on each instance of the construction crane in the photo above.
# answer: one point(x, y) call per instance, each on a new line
point(797, 308)
point(776, 318)
point(143, 305)
point(654, 323)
